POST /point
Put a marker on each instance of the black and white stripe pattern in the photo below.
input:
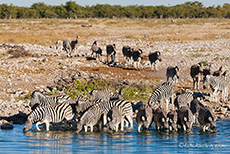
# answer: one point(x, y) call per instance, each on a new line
point(125, 106)
point(163, 92)
point(37, 98)
point(183, 99)
point(217, 84)
point(47, 114)
point(103, 93)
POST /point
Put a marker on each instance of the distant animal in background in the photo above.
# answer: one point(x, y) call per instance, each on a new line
point(173, 73)
point(110, 50)
point(217, 84)
point(70, 46)
point(196, 72)
point(137, 56)
point(127, 53)
point(97, 50)
point(59, 45)
point(153, 58)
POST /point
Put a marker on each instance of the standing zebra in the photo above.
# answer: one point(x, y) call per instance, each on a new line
point(103, 93)
point(47, 114)
point(37, 98)
point(163, 92)
point(217, 84)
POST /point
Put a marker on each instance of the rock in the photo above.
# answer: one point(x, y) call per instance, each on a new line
point(7, 126)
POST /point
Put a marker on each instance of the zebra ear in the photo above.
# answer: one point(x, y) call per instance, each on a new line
point(170, 120)
point(142, 118)
point(163, 120)
point(210, 119)
point(185, 119)
point(109, 119)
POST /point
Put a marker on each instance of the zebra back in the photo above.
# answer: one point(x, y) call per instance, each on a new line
point(216, 83)
point(103, 93)
point(183, 99)
point(164, 91)
point(38, 98)
point(55, 113)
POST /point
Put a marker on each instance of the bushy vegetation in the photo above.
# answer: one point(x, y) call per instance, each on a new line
point(72, 10)
point(134, 92)
point(18, 52)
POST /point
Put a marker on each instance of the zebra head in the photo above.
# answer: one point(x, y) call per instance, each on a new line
point(28, 124)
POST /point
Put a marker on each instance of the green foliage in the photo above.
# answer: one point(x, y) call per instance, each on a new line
point(72, 10)
point(83, 87)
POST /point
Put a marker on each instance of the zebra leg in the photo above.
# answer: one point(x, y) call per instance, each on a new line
point(130, 120)
point(85, 127)
point(91, 128)
point(122, 125)
point(38, 123)
point(198, 82)
point(139, 128)
point(214, 95)
point(104, 119)
point(47, 125)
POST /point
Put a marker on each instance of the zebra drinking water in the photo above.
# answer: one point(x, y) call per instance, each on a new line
point(47, 114)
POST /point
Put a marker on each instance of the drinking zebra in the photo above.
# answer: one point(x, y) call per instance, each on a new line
point(47, 114)
point(163, 92)
point(217, 84)
point(183, 99)
point(125, 107)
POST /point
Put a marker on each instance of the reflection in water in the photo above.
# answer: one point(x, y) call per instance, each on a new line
point(58, 141)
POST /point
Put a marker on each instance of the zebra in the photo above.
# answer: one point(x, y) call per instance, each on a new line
point(115, 117)
point(183, 99)
point(47, 114)
point(37, 98)
point(90, 118)
point(126, 108)
point(172, 72)
point(103, 93)
point(217, 84)
point(116, 96)
point(163, 92)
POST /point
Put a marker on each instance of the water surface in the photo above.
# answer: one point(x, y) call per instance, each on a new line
point(15, 140)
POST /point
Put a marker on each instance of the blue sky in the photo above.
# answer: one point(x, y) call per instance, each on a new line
point(28, 3)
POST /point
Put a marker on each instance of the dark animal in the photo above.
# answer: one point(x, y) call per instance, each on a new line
point(173, 117)
point(153, 58)
point(196, 72)
point(127, 53)
point(144, 117)
point(70, 46)
point(137, 56)
point(110, 50)
point(185, 118)
point(207, 118)
point(173, 73)
point(161, 119)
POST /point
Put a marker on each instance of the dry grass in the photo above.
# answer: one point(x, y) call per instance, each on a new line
point(47, 31)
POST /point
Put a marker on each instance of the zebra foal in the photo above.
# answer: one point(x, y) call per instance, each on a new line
point(47, 114)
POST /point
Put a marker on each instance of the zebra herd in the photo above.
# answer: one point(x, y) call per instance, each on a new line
point(112, 110)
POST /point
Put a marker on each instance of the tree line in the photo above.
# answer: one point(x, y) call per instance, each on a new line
point(72, 10)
